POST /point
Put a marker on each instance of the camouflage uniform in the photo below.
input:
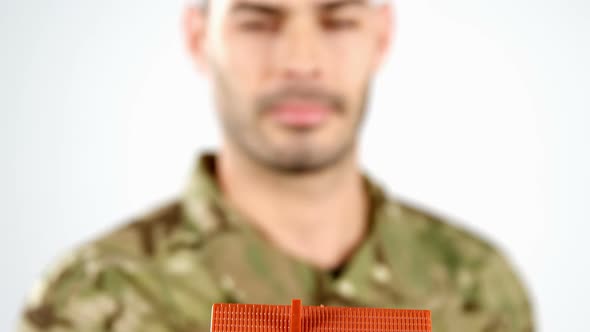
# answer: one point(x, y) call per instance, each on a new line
point(163, 272)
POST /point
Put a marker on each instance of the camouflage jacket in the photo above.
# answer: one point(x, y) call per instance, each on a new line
point(162, 272)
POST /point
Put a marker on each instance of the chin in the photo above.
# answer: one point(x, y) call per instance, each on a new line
point(305, 160)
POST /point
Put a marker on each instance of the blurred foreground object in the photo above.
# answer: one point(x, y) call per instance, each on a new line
point(297, 318)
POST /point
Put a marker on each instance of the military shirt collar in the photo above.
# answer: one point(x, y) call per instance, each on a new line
point(204, 205)
point(211, 215)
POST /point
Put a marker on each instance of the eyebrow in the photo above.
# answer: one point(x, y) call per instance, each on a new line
point(333, 5)
point(248, 6)
point(274, 10)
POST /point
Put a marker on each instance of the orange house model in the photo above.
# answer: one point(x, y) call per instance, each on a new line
point(298, 318)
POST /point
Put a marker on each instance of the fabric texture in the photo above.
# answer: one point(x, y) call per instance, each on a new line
point(162, 272)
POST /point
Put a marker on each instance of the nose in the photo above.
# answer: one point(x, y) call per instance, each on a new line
point(299, 53)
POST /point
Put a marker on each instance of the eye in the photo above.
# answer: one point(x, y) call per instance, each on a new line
point(340, 24)
point(259, 26)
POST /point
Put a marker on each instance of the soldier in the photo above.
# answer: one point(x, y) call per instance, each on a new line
point(282, 210)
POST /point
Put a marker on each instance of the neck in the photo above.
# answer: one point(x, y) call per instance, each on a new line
point(302, 214)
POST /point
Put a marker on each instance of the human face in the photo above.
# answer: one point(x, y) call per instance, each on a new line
point(291, 77)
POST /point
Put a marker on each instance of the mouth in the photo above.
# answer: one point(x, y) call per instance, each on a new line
point(300, 114)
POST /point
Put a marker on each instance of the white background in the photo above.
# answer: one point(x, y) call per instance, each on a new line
point(480, 114)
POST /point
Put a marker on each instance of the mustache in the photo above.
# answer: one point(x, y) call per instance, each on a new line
point(306, 93)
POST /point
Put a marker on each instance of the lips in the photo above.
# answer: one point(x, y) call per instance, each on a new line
point(300, 115)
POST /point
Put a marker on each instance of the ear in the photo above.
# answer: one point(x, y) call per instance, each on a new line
point(385, 32)
point(195, 30)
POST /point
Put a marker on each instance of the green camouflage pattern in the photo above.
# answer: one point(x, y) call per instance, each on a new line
point(162, 272)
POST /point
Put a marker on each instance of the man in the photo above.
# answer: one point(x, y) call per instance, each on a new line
point(283, 210)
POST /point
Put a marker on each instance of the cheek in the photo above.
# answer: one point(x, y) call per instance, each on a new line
point(352, 67)
point(248, 61)
point(352, 57)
